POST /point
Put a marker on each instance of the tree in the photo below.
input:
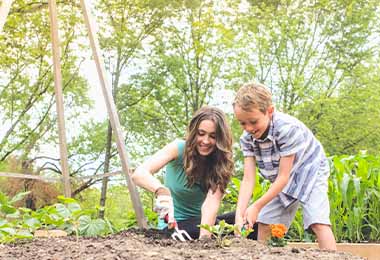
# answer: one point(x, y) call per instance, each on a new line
point(186, 65)
point(310, 52)
point(27, 90)
point(131, 23)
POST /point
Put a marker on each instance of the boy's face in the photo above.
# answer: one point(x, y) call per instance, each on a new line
point(254, 122)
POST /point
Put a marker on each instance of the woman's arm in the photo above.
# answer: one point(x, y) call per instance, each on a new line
point(209, 210)
point(143, 174)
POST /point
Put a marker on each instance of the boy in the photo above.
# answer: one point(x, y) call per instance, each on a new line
point(291, 158)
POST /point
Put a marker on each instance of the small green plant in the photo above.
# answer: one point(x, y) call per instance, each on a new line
point(220, 232)
point(223, 229)
point(244, 231)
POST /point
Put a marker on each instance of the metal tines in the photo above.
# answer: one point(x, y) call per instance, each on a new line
point(180, 235)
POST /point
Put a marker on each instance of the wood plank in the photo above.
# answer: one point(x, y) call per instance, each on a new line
point(58, 179)
point(368, 250)
point(30, 176)
point(4, 11)
point(59, 97)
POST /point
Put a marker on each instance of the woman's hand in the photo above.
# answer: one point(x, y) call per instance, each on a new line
point(164, 205)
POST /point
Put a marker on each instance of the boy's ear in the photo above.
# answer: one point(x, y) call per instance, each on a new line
point(270, 110)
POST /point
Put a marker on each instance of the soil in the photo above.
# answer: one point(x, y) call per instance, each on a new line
point(148, 244)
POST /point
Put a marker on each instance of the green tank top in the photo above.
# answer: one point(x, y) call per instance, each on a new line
point(187, 200)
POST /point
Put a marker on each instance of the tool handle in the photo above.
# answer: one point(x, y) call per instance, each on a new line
point(166, 219)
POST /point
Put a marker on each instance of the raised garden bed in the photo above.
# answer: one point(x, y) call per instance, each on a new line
point(369, 250)
point(138, 245)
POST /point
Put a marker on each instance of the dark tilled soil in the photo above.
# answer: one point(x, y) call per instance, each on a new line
point(138, 245)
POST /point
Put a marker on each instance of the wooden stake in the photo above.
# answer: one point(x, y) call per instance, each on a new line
point(112, 113)
point(59, 97)
point(4, 11)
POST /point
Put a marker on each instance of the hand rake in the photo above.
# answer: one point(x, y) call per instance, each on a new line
point(178, 234)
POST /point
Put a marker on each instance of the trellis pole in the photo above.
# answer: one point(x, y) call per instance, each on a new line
point(4, 10)
point(59, 97)
point(112, 113)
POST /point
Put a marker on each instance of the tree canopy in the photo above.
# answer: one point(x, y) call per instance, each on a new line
point(165, 59)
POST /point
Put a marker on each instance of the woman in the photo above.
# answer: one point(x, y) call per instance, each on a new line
point(198, 170)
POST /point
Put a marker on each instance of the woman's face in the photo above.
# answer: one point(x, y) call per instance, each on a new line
point(206, 137)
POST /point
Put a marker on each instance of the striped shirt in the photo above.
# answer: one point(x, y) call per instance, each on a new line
point(286, 136)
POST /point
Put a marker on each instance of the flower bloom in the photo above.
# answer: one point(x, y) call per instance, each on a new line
point(278, 230)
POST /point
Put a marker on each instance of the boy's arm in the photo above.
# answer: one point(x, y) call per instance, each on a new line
point(209, 210)
point(286, 164)
point(246, 188)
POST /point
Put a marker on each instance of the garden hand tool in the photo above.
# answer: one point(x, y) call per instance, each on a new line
point(178, 234)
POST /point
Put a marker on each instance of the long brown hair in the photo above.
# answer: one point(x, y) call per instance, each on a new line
point(215, 170)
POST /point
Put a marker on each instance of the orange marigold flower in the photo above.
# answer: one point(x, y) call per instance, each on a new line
point(278, 230)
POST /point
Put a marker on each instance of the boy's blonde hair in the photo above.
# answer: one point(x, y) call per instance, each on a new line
point(253, 96)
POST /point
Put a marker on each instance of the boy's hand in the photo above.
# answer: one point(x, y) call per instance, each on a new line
point(239, 222)
point(251, 215)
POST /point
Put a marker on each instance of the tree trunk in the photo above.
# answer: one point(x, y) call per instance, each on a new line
point(107, 159)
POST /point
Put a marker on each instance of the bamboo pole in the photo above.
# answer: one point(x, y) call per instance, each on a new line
point(59, 97)
point(112, 113)
point(29, 176)
point(4, 11)
point(58, 179)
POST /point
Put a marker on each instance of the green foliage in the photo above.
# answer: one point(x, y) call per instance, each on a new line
point(10, 226)
point(26, 86)
point(354, 190)
point(119, 210)
point(220, 232)
point(231, 197)
point(17, 223)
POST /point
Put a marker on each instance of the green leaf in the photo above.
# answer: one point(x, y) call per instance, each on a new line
point(8, 209)
point(3, 222)
point(32, 222)
point(63, 211)
point(3, 198)
point(8, 230)
point(89, 227)
point(65, 200)
point(22, 234)
point(74, 207)
point(18, 197)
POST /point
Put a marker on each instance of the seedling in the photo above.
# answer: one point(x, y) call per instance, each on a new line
point(243, 231)
point(223, 229)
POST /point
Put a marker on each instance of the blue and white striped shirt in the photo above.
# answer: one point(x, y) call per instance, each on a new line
point(287, 135)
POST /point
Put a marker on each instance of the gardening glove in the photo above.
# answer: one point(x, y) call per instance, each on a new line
point(164, 205)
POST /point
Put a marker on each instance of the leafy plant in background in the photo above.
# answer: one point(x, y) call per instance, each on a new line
point(11, 228)
point(231, 197)
point(354, 188)
point(66, 215)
